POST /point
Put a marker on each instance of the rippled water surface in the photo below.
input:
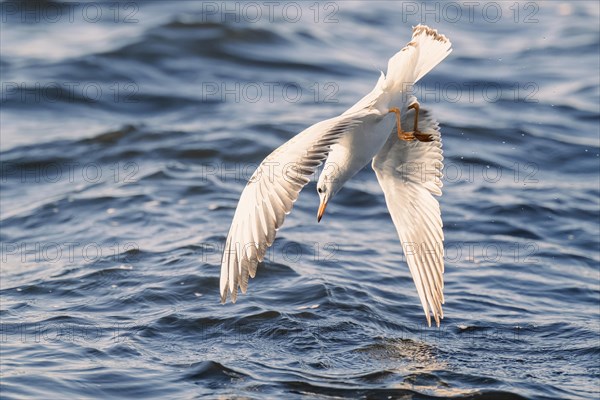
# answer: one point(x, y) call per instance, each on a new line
point(129, 130)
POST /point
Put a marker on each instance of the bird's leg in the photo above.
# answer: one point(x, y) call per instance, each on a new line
point(420, 136)
point(408, 136)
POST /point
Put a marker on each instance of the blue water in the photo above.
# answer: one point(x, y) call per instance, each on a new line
point(128, 131)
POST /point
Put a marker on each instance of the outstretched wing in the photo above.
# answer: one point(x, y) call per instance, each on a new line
point(410, 174)
point(269, 196)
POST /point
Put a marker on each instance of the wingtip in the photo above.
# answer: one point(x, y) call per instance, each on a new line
point(437, 317)
point(419, 29)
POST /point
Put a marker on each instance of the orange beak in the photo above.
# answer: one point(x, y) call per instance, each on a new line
point(321, 211)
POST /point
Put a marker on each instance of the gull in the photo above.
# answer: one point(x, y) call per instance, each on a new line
point(388, 129)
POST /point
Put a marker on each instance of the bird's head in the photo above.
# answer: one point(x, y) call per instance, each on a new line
point(324, 199)
point(327, 187)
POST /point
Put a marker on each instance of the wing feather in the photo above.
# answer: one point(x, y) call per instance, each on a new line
point(410, 175)
point(270, 195)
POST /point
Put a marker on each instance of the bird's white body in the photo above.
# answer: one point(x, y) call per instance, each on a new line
point(344, 161)
point(365, 132)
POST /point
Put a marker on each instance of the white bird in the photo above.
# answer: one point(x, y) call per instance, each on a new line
point(407, 164)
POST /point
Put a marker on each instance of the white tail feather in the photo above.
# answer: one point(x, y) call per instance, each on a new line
point(426, 50)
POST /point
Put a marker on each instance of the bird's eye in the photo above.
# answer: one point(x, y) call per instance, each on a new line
point(319, 190)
